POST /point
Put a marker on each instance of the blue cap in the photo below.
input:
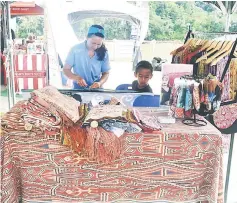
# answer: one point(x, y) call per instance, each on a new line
point(95, 30)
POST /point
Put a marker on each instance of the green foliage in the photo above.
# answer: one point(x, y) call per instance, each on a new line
point(29, 24)
point(205, 6)
point(233, 27)
point(169, 20)
point(114, 28)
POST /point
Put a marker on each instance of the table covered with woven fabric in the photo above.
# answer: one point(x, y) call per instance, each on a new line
point(177, 164)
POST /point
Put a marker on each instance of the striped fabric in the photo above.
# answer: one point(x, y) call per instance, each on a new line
point(30, 71)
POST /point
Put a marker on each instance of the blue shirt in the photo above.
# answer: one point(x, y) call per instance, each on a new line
point(90, 69)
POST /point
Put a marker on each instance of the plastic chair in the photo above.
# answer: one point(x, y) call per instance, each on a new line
point(147, 101)
point(124, 87)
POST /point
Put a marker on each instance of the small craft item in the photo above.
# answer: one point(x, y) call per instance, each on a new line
point(28, 126)
point(111, 125)
point(94, 124)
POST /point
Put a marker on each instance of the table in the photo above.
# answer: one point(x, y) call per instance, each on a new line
point(178, 164)
point(97, 96)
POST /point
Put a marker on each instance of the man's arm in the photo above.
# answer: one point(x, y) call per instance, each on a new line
point(70, 62)
point(105, 70)
point(104, 78)
point(67, 71)
point(105, 73)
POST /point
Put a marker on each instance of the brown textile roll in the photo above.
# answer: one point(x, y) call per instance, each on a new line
point(74, 137)
point(102, 146)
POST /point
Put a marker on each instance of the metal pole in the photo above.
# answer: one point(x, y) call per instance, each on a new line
point(6, 50)
point(227, 23)
point(10, 52)
point(229, 167)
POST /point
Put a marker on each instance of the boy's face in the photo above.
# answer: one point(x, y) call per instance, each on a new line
point(143, 76)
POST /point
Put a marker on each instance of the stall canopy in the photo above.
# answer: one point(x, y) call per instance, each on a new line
point(115, 9)
point(25, 8)
point(71, 12)
point(225, 6)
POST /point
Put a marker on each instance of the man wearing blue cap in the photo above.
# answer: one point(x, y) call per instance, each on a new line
point(89, 60)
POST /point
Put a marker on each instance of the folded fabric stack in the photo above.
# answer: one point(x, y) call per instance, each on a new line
point(103, 127)
point(91, 132)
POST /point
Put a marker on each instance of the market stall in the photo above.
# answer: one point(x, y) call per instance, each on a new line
point(107, 151)
point(162, 162)
point(30, 63)
point(102, 149)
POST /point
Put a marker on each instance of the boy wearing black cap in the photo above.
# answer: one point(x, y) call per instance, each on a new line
point(143, 73)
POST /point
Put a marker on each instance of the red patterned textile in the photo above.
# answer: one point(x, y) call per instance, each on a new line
point(178, 164)
point(225, 116)
point(102, 146)
point(67, 105)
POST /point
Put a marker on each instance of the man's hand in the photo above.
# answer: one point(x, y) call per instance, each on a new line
point(67, 71)
point(81, 82)
point(95, 85)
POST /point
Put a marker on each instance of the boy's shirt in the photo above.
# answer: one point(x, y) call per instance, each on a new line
point(145, 89)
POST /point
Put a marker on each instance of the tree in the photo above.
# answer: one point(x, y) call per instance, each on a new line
point(205, 6)
point(29, 24)
point(233, 27)
point(114, 28)
point(169, 20)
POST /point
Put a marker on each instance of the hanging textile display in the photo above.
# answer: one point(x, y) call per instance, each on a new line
point(192, 95)
point(209, 57)
point(233, 78)
point(169, 73)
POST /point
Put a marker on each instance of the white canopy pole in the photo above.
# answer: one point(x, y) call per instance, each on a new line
point(62, 32)
point(8, 52)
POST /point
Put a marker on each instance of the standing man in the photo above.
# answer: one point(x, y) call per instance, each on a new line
point(89, 61)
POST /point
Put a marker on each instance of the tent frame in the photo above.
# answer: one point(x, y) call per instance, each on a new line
point(8, 52)
point(228, 8)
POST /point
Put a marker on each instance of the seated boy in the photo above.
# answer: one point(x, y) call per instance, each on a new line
point(143, 73)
